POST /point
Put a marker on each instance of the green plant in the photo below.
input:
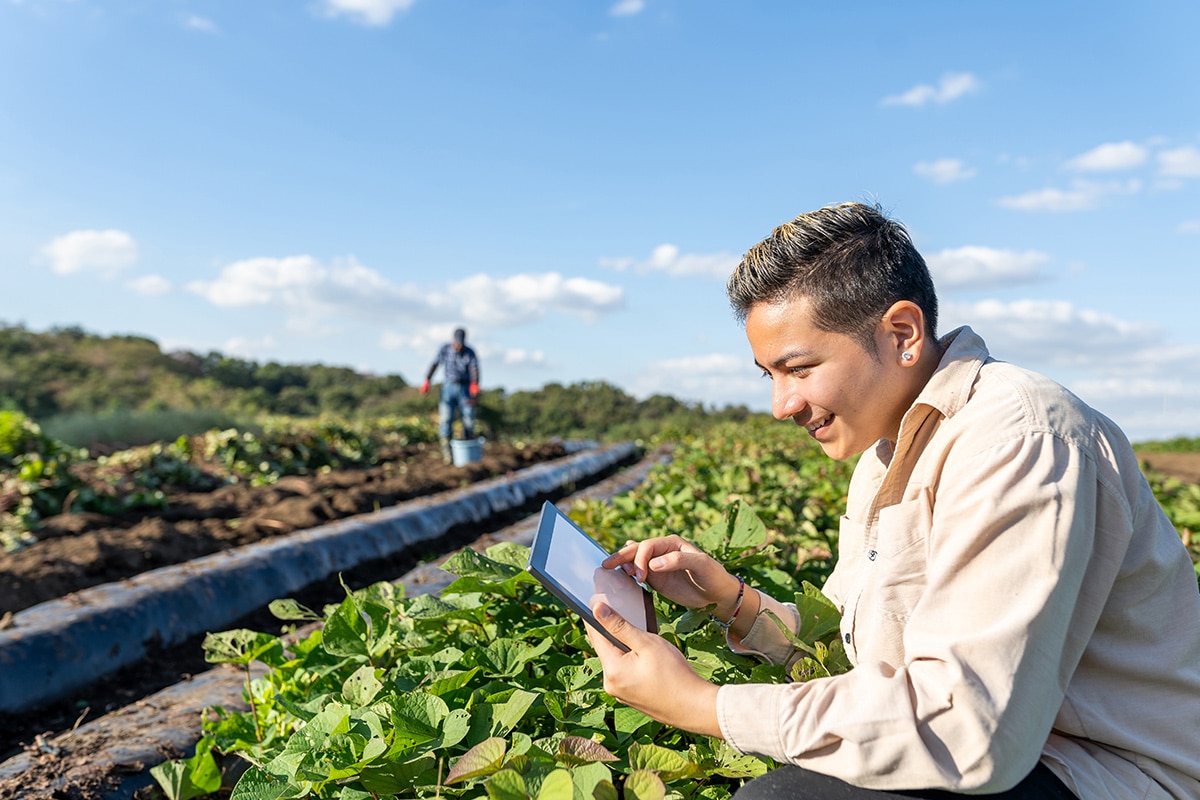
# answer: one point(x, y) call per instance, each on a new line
point(485, 689)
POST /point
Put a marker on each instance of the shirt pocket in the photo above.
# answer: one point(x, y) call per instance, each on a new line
point(897, 561)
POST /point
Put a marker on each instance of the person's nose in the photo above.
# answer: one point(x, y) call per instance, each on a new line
point(786, 402)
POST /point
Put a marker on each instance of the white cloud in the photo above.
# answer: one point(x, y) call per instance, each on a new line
point(202, 24)
point(944, 170)
point(1146, 408)
point(974, 266)
point(368, 12)
point(1110, 157)
point(519, 357)
point(952, 86)
point(1182, 162)
point(1191, 226)
point(1082, 196)
point(625, 8)
point(150, 285)
point(106, 252)
point(306, 289)
point(1056, 333)
point(525, 298)
point(667, 258)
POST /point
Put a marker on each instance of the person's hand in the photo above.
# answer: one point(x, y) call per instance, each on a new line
point(425, 387)
point(474, 390)
point(653, 676)
point(681, 572)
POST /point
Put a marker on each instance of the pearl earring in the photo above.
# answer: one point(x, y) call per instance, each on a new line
point(907, 356)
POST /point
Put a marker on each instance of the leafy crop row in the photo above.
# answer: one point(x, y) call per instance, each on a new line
point(41, 477)
point(489, 689)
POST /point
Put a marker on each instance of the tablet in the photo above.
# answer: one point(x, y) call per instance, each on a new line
point(567, 562)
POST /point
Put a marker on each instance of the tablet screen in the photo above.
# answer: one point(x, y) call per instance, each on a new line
point(567, 562)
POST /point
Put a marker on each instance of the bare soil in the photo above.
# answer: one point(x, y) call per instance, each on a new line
point(1185, 466)
point(78, 550)
point(81, 550)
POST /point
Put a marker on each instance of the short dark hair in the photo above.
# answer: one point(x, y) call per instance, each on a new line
point(460, 335)
point(849, 260)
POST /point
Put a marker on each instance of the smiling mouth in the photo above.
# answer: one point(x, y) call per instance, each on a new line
point(813, 427)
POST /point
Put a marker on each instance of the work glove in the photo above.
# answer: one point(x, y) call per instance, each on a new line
point(474, 390)
point(425, 387)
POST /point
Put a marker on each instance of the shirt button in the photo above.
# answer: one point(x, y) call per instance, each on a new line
point(871, 555)
point(847, 638)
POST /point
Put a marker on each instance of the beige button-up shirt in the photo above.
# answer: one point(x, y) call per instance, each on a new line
point(1010, 591)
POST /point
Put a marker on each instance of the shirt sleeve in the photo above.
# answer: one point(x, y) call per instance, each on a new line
point(989, 642)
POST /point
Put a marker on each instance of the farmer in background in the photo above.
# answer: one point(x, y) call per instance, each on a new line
point(1022, 619)
point(459, 389)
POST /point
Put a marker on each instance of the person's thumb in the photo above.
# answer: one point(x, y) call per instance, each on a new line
point(615, 624)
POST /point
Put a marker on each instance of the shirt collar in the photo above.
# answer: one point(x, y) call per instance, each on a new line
point(963, 355)
point(948, 389)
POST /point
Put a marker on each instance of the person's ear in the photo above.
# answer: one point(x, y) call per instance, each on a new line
point(902, 331)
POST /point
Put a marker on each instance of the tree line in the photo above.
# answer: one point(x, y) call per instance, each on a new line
point(67, 372)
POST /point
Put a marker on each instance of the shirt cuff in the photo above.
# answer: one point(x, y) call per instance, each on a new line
point(748, 714)
point(764, 639)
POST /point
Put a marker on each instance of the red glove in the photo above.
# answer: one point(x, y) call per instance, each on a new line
point(474, 390)
point(425, 387)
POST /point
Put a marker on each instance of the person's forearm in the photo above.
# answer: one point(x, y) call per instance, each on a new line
point(739, 605)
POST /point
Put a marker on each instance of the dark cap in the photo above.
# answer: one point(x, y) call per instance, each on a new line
point(460, 336)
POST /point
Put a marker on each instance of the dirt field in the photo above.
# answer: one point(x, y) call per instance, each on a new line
point(90, 550)
point(1185, 466)
point(81, 550)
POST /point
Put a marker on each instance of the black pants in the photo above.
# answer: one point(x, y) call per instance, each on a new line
point(795, 783)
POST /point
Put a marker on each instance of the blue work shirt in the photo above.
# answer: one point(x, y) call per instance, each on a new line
point(461, 366)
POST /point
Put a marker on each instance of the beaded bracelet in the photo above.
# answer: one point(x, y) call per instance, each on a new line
point(736, 609)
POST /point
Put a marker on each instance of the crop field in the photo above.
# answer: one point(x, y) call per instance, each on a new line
point(486, 688)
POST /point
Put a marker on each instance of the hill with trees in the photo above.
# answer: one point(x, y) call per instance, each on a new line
point(85, 388)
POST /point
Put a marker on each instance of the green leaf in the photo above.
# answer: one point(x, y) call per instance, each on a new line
point(455, 606)
point(242, 647)
point(579, 676)
point(507, 657)
point(256, 784)
point(500, 717)
point(644, 785)
point(557, 786)
point(818, 615)
point(482, 759)
point(507, 784)
point(627, 721)
point(191, 777)
point(400, 777)
point(288, 609)
point(668, 764)
point(361, 687)
point(748, 529)
point(576, 750)
point(592, 780)
point(347, 630)
point(468, 563)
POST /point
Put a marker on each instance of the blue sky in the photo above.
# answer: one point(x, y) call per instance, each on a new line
point(347, 181)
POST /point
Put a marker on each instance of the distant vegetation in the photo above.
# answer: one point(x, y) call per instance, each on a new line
point(90, 390)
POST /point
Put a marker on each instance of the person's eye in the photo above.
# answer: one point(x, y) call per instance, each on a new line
point(766, 375)
point(799, 372)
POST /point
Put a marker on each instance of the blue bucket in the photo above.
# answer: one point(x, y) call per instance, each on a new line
point(466, 451)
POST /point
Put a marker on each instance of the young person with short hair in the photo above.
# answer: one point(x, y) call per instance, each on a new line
point(1022, 619)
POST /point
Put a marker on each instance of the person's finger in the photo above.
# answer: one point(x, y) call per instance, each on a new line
point(617, 625)
point(686, 557)
point(652, 549)
point(605, 649)
point(622, 557)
